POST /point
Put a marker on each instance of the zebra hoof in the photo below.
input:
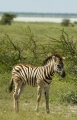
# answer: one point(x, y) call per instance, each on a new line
point(48, 111)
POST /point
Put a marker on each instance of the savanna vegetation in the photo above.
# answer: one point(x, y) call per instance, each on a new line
point(7, 19)
point(32, 43)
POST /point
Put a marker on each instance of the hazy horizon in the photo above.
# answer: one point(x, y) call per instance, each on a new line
point(36, 12)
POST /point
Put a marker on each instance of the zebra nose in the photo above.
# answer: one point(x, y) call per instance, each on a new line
point(63, 74)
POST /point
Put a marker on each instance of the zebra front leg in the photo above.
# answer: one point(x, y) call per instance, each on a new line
point(39, 92)
point(46, 92)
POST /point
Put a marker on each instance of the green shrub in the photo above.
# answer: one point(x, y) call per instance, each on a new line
point(72, 24)
point(28, 50)
point(7, 18)
point(70, 97)
point(75, 22)
point(69, 47)
point(65, 22)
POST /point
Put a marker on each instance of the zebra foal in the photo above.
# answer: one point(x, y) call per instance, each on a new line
point(41, 77)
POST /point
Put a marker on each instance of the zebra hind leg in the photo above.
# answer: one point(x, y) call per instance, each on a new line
point(46, 92)
point(16, 95)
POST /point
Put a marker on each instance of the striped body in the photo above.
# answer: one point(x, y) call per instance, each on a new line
point(41, 76)
point(29, 75)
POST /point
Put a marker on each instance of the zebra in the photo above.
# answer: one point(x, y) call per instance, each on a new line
point(40, 77)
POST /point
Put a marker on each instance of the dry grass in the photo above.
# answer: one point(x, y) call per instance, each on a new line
point(58, 112)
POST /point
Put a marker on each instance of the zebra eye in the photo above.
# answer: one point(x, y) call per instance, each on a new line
point(59, 66)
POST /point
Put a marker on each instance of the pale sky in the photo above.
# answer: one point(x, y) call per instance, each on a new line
point(39, 6)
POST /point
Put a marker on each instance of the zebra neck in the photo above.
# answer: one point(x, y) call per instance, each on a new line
point(48, 72)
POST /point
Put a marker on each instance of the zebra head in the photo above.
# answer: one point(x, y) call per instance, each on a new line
point(58, 65)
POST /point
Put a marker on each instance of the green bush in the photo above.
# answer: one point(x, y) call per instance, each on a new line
point(65, 22)
point(28, 50)
point(70, 97)
point(75, 22)
point(7, 18)
point(69, 47)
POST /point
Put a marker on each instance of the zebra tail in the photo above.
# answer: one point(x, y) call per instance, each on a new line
point(11, 86)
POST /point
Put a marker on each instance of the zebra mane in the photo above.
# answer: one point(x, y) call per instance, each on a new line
point(50, 57)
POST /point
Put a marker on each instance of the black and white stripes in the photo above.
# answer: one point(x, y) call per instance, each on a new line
point(29, 75)
point(41, 76)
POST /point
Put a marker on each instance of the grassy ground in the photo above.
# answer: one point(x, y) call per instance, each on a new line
point(39, 29)
point(59, 110)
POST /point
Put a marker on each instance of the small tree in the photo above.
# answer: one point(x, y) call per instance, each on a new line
point(7, 18)
point(65, 22)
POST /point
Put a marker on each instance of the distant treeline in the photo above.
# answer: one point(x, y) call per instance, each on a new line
point(64, 15)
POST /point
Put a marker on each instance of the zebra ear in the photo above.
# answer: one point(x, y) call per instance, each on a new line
point(53, 57)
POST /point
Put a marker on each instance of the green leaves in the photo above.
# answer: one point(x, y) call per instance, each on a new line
point(7, 18)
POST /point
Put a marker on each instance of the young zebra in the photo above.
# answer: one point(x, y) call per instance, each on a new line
point(23, 74)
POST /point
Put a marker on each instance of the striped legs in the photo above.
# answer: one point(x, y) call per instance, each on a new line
point(39, 92)
point(46, 92)
point(16, 95)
